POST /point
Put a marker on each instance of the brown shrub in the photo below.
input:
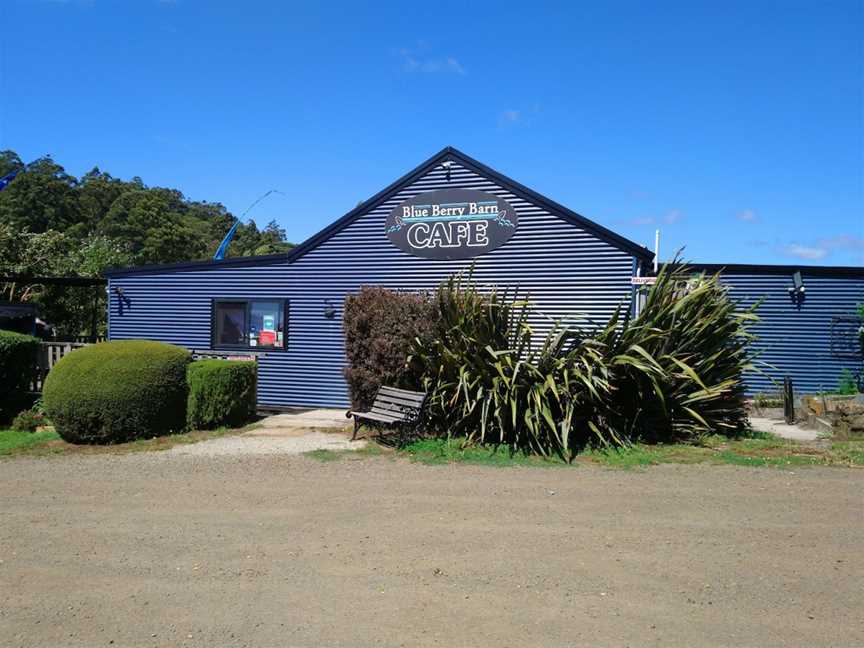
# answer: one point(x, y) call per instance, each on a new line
point(379, 326)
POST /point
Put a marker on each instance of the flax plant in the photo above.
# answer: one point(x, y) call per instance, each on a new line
point(671, 373)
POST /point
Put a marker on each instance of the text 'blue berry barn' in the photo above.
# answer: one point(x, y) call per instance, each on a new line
point(449, 214)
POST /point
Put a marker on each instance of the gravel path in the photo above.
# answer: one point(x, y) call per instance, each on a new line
point(248, 444)
point(164, 549)
point(781, 429)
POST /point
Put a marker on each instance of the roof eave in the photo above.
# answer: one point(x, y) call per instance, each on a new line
point(856, 272)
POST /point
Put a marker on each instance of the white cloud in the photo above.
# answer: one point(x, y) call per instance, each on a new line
point(511, 116)
point(824, 246)
point(416, 60)
point(747, 216)
point(642, 220)
point(669, 218)
point(843, 242)
point(523, 115)
point(673, 216)
point(456, 66)
point(804, 252)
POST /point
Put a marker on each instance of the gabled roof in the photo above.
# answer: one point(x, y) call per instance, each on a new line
point(447, 154)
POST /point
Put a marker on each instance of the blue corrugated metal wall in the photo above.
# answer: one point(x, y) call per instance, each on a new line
point(566, 270)
point(796, 341)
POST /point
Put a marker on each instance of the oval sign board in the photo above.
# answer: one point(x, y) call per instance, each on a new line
point(451, 224)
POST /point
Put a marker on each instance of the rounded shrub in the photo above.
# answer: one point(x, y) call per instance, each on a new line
point(17, 366)
point(221, 393)
point(115, 392)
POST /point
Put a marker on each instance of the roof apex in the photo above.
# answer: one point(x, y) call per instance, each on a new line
point(445, 154)
point(452, 153)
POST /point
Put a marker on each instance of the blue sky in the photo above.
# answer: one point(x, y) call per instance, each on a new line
point(734, 127)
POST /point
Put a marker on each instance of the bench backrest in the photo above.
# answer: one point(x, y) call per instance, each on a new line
point(401, 403)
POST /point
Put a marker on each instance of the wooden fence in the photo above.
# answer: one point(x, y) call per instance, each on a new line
point(84, 339)
point(208, 354)
point(49, 354)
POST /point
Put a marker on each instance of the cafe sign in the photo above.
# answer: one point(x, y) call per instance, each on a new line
point(451, 224)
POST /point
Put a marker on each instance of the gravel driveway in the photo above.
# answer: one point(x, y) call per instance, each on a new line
point(161, 549)
point(248, 444)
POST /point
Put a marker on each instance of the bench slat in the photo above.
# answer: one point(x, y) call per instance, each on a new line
point(398, 398)
point(417, 397)
point(398, 401)
point(400, 390)
point(387, 403)
point(402, 416)
point(391, 407)
point(376, 417)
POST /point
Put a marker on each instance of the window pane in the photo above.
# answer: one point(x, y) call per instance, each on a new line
point(266, 328)
point(230, 320)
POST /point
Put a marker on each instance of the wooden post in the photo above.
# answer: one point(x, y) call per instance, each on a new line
point(788, 401)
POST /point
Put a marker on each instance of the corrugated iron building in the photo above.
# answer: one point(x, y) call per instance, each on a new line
point(569, 265)
point(810, 335)
point(289, 306)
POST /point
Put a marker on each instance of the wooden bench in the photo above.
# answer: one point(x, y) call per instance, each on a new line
point(395, 407)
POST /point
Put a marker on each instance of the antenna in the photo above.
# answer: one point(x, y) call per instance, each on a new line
point(223, 246)
point(656, 249)
point(259, 199)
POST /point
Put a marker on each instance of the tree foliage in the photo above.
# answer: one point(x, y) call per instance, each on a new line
point(54, 224)
point(73, 311)
point(17, 362)
point(41, 198)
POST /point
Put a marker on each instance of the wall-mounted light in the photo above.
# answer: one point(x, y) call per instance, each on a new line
point(446, 166)
point(797, 291)
point(329, 309)
point(122, 299)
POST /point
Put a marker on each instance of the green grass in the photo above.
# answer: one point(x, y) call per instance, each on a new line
point(442, 451)
point(48, 442)
point(851, 452)
point(325, 455)
point(736, 453)
point(761, 451)
point(13, 440)
point(371, 449)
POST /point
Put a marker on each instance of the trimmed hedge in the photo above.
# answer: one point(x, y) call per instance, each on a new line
point(17, 365)
point(115, 392)
point(380, 326)
point(221, 393)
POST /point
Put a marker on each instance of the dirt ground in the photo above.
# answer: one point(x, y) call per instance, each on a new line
point(160, 550)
